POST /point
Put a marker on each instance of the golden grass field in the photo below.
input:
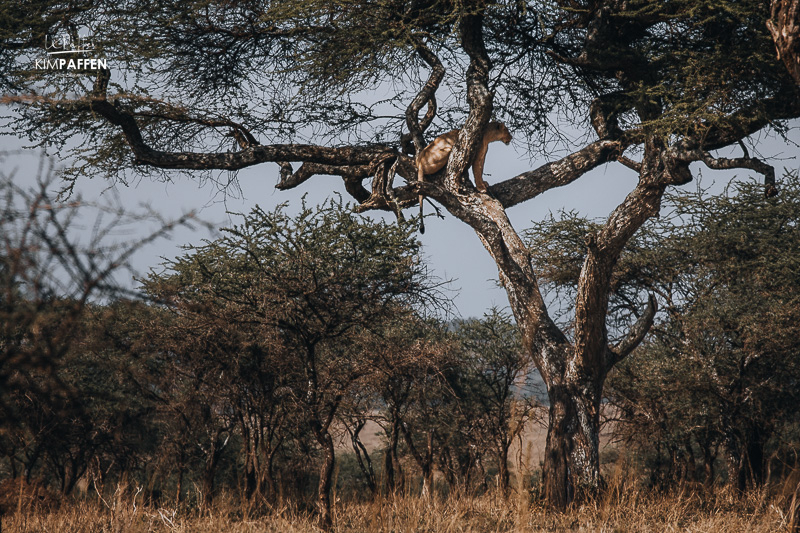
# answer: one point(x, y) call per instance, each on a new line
point(624, 508)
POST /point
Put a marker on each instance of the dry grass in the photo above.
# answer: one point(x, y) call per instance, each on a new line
point(622, 509)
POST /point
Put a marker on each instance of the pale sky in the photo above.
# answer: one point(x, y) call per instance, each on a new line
point(451, 248)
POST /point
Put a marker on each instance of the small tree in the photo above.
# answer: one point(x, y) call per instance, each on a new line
point(325, 281)
point(494, 371)
point(49, 278)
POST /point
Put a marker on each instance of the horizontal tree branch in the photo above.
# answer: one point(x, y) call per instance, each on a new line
point(253, 155)
point(555, 174)
point(752, 163)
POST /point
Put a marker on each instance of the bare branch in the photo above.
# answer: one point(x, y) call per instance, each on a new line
point(630, 163)
point(635, 336)
point(752, 163)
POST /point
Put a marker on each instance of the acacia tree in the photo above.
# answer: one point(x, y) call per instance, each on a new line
point(732, 294)
point(321, 284)
point(494, 374)
point(221, 367)
point(655, 86)
point(718, 370)
point(407, 356)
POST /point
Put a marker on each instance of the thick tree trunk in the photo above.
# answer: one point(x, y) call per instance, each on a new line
point(691, 461)
point(388, 472)
point(574, 372)
point(269, 474)
point(423, 460)
point(250, 478)
point(251, 474)
point(708, 465)
point(745, 458)
point(572, 463)
point(207, 485)
point(755, 457)
point(427, 481)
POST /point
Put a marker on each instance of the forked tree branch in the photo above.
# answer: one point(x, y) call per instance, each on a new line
point(426, 95)
point(659, 169)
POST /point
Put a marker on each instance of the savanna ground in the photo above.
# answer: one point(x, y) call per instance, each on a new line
point(625, 506)
point(622, 508)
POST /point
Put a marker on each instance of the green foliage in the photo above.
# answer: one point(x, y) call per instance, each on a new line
point(700, 61)
point(318, 275)
point(65, 404)
point(277, 326)
point(293, 70)
point(491, 383)
point(470, 405)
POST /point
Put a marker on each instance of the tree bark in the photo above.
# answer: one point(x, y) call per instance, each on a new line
point(207, 486)
point(424, 461)
point(572, 464)
point(784, 25)
point(392, 471)
point(427, 468)
point(210, 468)
point(269, 474)
point(250, 444)
point(755, 460)
point(325, 478)
point(505, 476)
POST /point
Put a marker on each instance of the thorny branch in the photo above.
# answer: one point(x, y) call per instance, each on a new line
point(752, 163)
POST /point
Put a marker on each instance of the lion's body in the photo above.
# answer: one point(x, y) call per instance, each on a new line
point(434, 157)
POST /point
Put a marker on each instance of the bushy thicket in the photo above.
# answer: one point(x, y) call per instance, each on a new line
point(249, 363)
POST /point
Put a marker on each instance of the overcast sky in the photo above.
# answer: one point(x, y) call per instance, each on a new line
point(451, 248)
